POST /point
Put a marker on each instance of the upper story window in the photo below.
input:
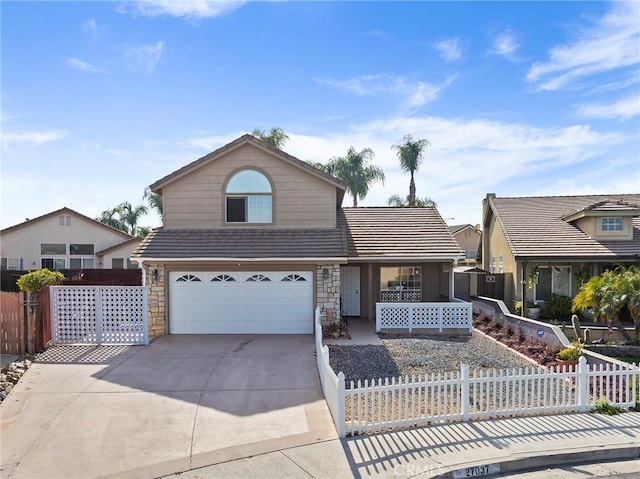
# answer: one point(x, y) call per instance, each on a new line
point(612, 224)
point(248, 198)
point(53, 248)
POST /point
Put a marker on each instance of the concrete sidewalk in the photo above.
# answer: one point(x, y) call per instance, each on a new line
point(475, 449)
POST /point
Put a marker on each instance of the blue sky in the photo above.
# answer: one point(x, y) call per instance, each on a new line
point(100, 99)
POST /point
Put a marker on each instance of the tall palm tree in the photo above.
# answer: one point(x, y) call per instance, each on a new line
point(113, 218)
point(355, 172)
point(131, 215)
point(275, 137)
point(400, 202)
point(153, 199)
point(411, 154)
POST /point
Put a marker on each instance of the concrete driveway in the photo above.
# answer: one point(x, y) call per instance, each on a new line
point(181, 402)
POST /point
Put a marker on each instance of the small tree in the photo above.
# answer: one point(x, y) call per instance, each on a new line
point(36, 280)
point(606, 295)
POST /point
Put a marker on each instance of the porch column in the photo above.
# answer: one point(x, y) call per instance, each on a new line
point(451, 283)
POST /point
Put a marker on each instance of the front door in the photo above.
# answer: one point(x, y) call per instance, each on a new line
point(350, 290)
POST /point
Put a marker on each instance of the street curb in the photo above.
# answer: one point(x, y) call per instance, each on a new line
point(543, 460)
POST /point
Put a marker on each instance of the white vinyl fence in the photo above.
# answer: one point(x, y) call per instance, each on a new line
point(482, 394)
point(332, 384)
point(454, 315)
point(99, 315)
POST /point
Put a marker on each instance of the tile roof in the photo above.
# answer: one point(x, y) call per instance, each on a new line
point(397, 232)
point(63, 211)
point(534, 226)
point(242, 243)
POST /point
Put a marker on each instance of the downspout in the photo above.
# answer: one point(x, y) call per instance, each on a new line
point(144, 272)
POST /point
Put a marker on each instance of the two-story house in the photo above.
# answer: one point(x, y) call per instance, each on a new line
point(551, 244)
point(253, 239)
point(468, 237)
point(65, 239)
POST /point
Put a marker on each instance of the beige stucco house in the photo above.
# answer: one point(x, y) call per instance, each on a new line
point(65, 239)
point(468, 237)
point(253, 239)
point(558, 241)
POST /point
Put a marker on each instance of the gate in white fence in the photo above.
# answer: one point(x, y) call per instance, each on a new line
point(99, 315)
point(410, 316)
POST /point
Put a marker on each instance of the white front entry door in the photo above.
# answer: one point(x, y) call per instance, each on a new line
point(232, 302)
point(350, 290)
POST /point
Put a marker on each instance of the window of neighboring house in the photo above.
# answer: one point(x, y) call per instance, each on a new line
point(81, 249)
point(612, 224)
point(248, 198)
point(81, 263)
point(471, 253)
point(53, 248)
point(400, 283)
point(65, 220)
point(500, 264)
point(53, 263)
point(10, 263)
point(131, 264)
point(552, 279)
point(492, 268)
point(117, 263)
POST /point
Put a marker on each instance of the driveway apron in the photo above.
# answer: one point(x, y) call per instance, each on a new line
point(180, 403)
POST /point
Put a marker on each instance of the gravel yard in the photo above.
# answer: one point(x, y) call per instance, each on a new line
point(421, 355)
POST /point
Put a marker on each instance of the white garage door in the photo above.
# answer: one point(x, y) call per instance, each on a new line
point(241, 302)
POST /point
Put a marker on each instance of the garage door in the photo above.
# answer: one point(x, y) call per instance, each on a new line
point(241, 302)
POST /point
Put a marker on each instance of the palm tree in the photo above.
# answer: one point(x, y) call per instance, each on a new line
point(131, 215)
point(400, 202)
point(153, 199)
point(275, 137)
point(410, 154)
point(355, 172)
point(112, 217)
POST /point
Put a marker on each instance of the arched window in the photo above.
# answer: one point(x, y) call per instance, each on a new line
point(248, 198)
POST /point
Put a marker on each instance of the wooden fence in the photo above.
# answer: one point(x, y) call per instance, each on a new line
point(11, 323)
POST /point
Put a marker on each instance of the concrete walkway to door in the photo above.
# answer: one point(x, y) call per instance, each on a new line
point(145, 411)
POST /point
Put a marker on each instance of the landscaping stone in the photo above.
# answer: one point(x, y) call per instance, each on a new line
point(10, 376)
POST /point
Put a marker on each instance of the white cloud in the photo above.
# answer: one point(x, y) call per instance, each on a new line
point(506, 45)
point(612, 43)
point(622, 109)
point(82, 66)
point(31, 137)
point(449, 49)
point(187, 8)
point(415, 93)
point(91, 28)
point(144, 57)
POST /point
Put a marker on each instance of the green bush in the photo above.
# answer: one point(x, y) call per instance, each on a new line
point(603, 406)
point(556, 307)
point(41, 278)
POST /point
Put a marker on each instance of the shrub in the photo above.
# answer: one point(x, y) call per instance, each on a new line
point(603, 406)
point(41, 278)
point(572, 353)
point(556, 307)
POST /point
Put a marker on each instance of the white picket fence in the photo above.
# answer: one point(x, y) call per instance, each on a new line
point(410, 316)
point(99, 315)
point(483, 394)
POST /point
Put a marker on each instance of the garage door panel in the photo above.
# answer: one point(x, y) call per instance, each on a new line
point(241, 302)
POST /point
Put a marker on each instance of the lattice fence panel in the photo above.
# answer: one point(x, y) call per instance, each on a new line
point(394, 317)
point(425, 316)
point(99, 315)
point(74, 315)
point(123, 314)
point(455, 316)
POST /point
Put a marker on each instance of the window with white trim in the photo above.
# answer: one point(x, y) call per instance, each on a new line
point(552, 279)
point(248, 198)
point(10, 263)
point(53, 263)
point(612, 223)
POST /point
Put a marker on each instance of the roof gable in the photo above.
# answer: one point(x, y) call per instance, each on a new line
point(256, 142)
point(63, 211)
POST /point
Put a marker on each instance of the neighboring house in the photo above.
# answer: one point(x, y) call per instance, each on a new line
point(558, 241)
point(65, 239)
point(468, 237)
point(253, 239)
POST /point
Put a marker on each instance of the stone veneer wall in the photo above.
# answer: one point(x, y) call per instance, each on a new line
point(157, 316)
point(328, 292)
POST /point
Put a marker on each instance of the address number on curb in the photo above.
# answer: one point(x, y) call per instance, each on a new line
point(476, 471)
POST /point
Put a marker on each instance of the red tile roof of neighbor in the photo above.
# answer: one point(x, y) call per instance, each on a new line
point(537, 227)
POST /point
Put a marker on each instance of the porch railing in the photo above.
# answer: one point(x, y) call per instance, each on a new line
point(453, 315)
